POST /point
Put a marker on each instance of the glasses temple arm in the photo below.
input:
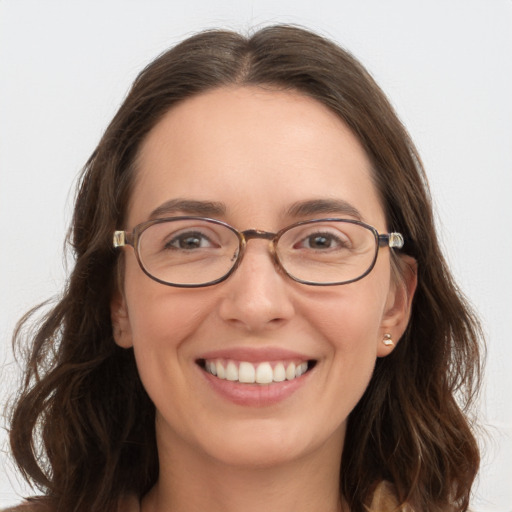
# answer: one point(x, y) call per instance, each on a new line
point(119, 239)
point(393, 240)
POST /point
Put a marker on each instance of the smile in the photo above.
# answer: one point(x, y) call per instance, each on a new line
point(263, 373)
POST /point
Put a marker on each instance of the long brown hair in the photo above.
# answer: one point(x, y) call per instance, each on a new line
point(83, 427)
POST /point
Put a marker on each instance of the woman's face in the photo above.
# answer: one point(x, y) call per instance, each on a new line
point(258, 155)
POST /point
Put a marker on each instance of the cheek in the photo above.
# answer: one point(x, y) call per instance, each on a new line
point(160, 316)
point(162, 320)
point(350, 318)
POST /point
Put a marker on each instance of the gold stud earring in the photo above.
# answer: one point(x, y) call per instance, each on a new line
point(387, 340)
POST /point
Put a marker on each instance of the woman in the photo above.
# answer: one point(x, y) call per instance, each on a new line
point(259, 314)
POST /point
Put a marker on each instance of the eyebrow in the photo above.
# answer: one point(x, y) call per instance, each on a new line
point(323, 206)
point(189, 207)
point(216, 209)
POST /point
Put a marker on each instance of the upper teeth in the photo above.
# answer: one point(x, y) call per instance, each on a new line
point(261, 373)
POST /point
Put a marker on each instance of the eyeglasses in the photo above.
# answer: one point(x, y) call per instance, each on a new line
point(191, 252)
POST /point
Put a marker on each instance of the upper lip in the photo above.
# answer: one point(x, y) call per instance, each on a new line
point(255, 355)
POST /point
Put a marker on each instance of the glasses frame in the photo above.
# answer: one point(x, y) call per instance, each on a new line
point(123, 238)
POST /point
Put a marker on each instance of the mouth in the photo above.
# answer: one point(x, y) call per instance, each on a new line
point(264, 373)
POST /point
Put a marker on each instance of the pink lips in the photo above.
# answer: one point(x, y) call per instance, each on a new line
point(255, 395)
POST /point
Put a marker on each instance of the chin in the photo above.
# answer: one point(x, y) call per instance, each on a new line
point(257, 456)
point(264, 446)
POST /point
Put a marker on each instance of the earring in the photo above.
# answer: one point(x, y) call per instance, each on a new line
point(387, 340)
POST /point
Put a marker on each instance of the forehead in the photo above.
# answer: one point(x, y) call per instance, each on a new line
point(255, 150)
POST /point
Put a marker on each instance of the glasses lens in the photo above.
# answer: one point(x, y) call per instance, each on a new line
point(188, 252)
point(327, 252)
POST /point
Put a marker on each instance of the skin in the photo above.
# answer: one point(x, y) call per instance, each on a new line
point(257, 151)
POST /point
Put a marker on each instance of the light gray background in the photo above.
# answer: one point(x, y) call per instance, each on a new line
point(446, 65)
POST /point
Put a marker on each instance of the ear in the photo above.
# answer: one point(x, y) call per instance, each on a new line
point(398, 306)
point(121, 327)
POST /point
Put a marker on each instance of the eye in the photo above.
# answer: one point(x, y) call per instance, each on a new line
point(189, 240)
point(322, 241)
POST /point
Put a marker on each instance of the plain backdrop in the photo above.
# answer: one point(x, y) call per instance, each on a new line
point(65, 66)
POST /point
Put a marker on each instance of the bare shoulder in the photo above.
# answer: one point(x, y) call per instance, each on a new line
point(385, 499)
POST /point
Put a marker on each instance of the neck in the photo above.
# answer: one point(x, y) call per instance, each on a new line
point(191, 482)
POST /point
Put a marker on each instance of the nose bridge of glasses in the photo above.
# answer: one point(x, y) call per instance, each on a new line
point(250, 234)
point(255, 234)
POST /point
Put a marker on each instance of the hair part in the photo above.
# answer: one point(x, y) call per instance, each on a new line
point(82, 429)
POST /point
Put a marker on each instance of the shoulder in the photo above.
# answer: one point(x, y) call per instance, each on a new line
point(385, 500)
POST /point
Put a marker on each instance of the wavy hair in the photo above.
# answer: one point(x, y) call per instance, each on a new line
point(82, 427)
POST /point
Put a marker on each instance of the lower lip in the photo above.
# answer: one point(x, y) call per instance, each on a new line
point(255, 395)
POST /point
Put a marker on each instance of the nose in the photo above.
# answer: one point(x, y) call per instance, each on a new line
point(257, 294)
